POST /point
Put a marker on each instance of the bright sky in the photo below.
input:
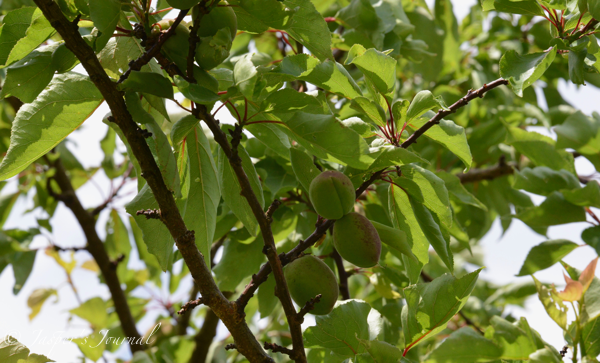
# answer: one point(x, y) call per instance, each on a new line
point(504, 254)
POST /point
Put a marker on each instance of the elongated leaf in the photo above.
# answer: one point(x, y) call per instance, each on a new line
point(158, 143)
point(543, 180)
point(303, 166)
point(182, 128)
point(430, 306)
point(591, 338)
point(28, 77)
point(525, 7)
point(231, 190)
point(12, 351)
point(148, 82)
point(449, 135)
point(329, 139)
point(373, 111)
point(421, 103)
point(515, 343)
point(522, 71)
point(553, 211)
point(259, 16)
point(340, 330)
point(39, 126)
point(553, 304)
point(105, 14)
point(464, 346)
point(273, 136)
point(14, 27)
point(539, 149)
point(393, 238)
point(38, 30)
point(204, 195)
point(403, 217)
point(309, 28)
point(458, 191)
point(238, 262)
point(545, 255)
point(378, 67)
point(94, 311)
point(195, 92)
point(328, 75)
point(156, 236)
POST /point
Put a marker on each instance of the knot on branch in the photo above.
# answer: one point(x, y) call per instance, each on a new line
point(114, 263)
point(188, 237)
point(272, 208)
point(236, 137)
point(275, 348)
point(308, 307)
point(190, 305)
point(150, 213)
point(145, 133)
point(564, 350)
point(230, 346)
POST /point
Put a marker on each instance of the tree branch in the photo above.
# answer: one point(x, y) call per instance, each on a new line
point(281, 289)
point(494, 172)
point(95, 247)
point(226, 310)
point(339, 263)
point(471, 95)
point(322, 228)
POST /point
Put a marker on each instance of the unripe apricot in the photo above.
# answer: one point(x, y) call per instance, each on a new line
point(218, 18)
point(176, 48)
point(308, 277)
point(332, 194)
point(213, 50)
point(356, 240)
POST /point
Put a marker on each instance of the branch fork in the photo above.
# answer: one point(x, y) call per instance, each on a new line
point(190, 305)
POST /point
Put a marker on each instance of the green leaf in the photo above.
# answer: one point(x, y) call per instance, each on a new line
point(430, 225)
point(545, 255)
point(522, 71)
point(94, 311)
point(553, 211)
point(544, 355)
point(204, 195)
point(238, 262)
point(381, 351)
point(117, 54)
point(328, 75)
point(590, 338)
point(588, 196)
point(148, 82)
point(340, 330)
point(429, 306)
point(378, 67)
point(464, 346)
point(303, 166)
point(458, 192)
point(22, 264)
point(578, 132)
point(591, 302)
point(37, 299)
point(515, 343)
point(543, 180)
point(14, 27)
point(389, 156)
point(279, 177)
point(37, 33)
point(11, 351)
point(105, 14)
point(231, 190)
point(28, 77)
point(309, 28)
point(267, 301)
point(393, 238)
point(591, 236)
point(449, 135)
point(182, 128)
point(288, 100)
point(539, 149)
point(525, 7)
point(373, 111)
point(592, 5)
point(514, 293)
point(328, 138)
point(39, 126)
point(245, 76)
point(195, 92)
point(258, 16)
point(576, 65)
point(158, 143)
point(156, 235)
point(272, 136)
point(553, 304)
point(404, 218)
point(421, 103)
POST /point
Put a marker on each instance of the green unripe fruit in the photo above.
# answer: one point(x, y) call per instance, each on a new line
point(218, 18)
point(308, 277)
point(356, 240)
point(332, 194)
point(213, 50)
point(182, 4)
point(176, 48)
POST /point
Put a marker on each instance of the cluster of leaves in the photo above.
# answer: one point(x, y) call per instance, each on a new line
point(335, 84)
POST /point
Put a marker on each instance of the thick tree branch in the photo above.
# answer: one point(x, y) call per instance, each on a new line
point(339, 263)
point(96, 249)
point(226, 310)
point(281, 289)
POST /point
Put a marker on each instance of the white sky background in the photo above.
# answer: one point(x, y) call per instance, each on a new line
point(504, 254)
